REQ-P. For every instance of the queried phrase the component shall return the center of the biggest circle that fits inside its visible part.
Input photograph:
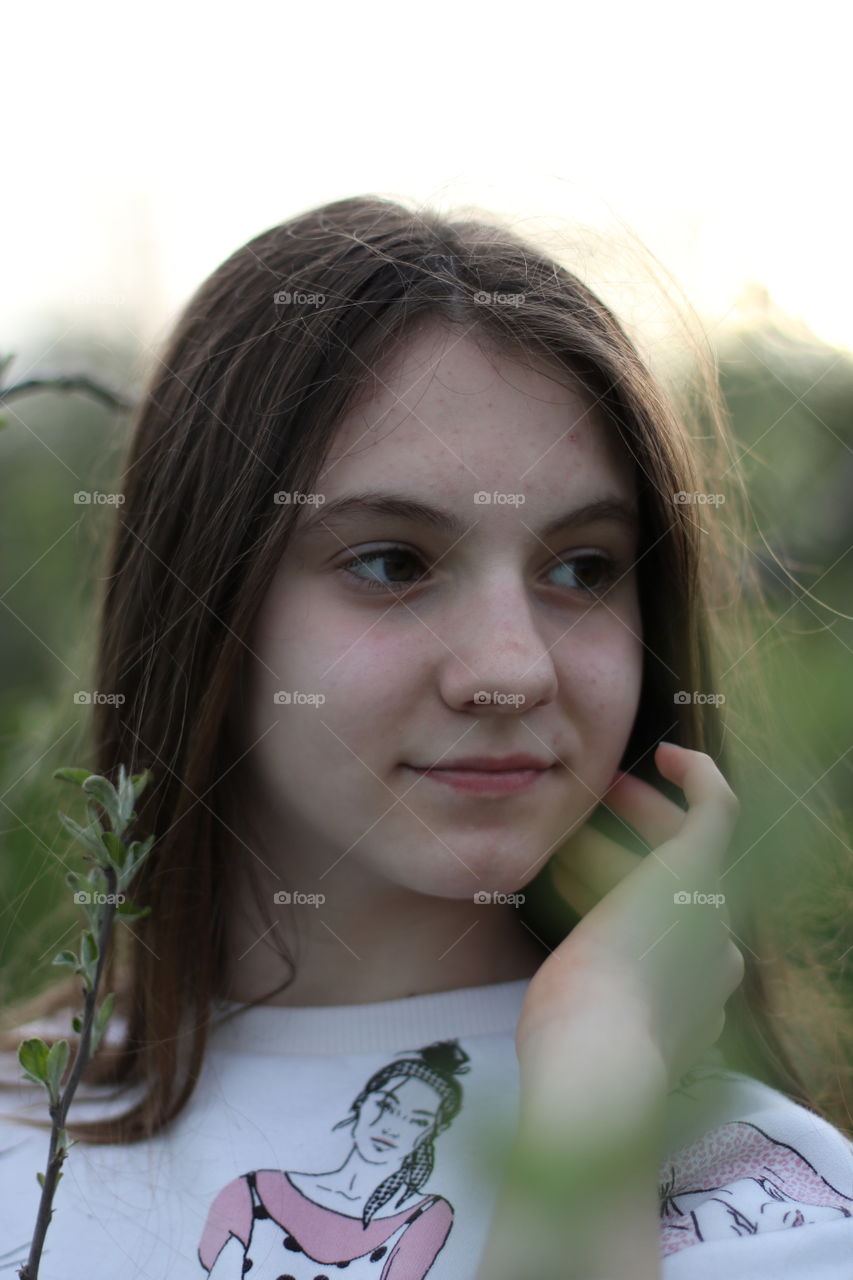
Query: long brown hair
(243, 402)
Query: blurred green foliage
(791, 401)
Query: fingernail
(663, 743)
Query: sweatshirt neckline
(383, 1026)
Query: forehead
(450, 409)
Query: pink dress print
(264, 1219)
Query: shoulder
(713, 1096)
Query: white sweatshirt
(367, 1141)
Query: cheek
(602, 673)
(313, 638)
(362, 673)
(602, 685)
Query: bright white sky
(144, 144)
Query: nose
(495, 658)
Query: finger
(595, 861)
(700, 1044)
(578, 896)
(652, 814)
(712, 813)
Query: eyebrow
(402, 507)
(389, 1093)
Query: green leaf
(57, 1061)
(105, 793)
(97, 881)
(77, 776)
(40, 1177)
(136, 855)
(116, 851)
(91, 839)
(88, 949)
(77, 1023)
(127, 911)
(66, 957)
(140, 782)
(102, 1017)
(32, 1055)
(94, 816)
(126, 795)
(88, 957)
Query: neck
(396, 944)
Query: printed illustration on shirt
(737, 1180)
(307, 1226)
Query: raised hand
(652, 961)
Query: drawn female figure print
(737, 1180)
(305, 1226)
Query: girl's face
(385, 660)
(393, 1120)
(750, 1206)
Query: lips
(489, 764)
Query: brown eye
(389, 569)
(396, 557)
(601, 570)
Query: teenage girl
(403, 602)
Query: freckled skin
(399, 679)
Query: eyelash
(609, 567)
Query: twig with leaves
(102, 896)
